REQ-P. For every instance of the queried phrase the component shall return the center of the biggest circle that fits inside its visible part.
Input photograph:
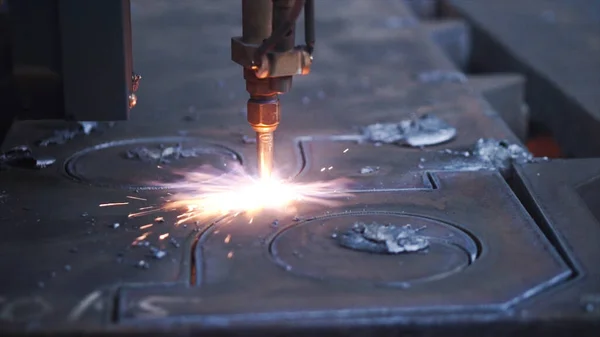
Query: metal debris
(369, 169)
(22, 156)
(157, 253)
(60, 137)
(115, 225)
(437, 76)
(164, 154)
(383, 239)
(500, 154)
(426, 130)
(142, 264)
(275, 223)
(174, 243)
(142, 243)
(88, 127)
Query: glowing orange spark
(160, 219)
(144, 208)
(140, 238)
(113, 204)
(229, 255)
(227, 238)
(146, 226)
(346, 150)
(133, 215)
(251, 219)
(135, 198)
(163, 236)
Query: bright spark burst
(205, 196)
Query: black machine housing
(65, 59)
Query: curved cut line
(69, 164)
(272, 252)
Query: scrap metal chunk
(369, 169)
(165, 154)
(382, 239)
(60, 137)
(157, 253)
(22, 156)
(500, 153)
(426, 130)
(142, 264)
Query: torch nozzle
(264, 151)
(263, 116)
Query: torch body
(270, 59)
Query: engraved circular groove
(307, 249)
(107, 165)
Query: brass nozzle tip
(263, 114)
(264, 128)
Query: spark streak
(140, 238)
(113, 204)
(135, 198)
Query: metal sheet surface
(72, 269)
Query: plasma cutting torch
(270, 59)
(49, 50)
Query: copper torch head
(263, 116)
